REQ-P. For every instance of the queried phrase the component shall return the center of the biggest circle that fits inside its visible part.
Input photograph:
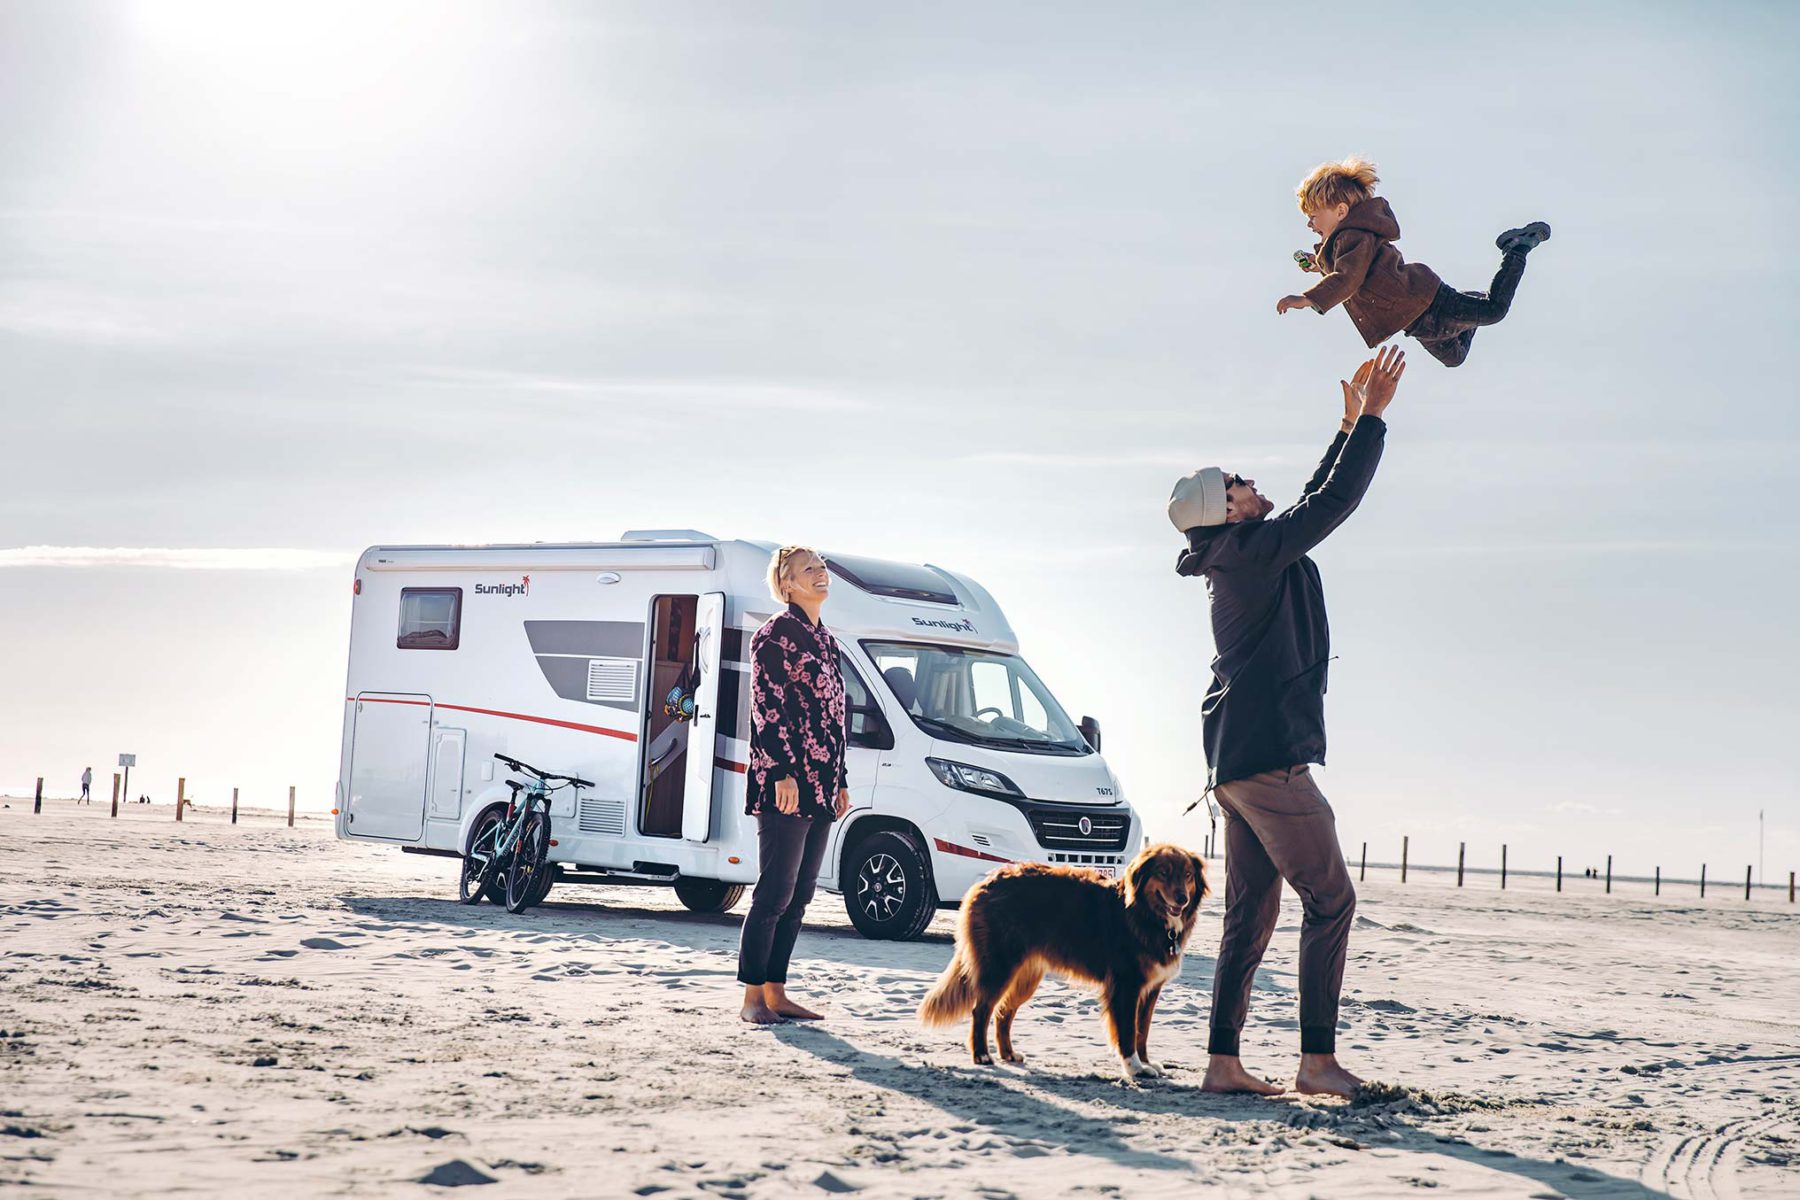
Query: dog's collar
(1174, 950)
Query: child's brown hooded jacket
(1381, 291)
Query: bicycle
(508, 858)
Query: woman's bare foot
(756, 1008)
(1225, 1073)
(776, 996)
(1320, 1075)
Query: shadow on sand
(1007, 1102)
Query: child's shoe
(1523, 239)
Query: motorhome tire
(708, 895)
(530, 860)
(888, 888)
(470, 888)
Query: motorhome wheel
(889, 891)
(708, 895)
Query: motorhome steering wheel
(990, 709)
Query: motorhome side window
(430, 618)
(867, 726)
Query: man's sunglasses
(1232, 481)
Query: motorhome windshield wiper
(956, 733)
(946, 728)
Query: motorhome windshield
(977, 697)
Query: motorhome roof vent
(902, 581)
(666, 535)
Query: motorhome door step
(666, 870)
(429, 850)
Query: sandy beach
(205, 1009)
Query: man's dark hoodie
(1265, 709)
(1382, 292)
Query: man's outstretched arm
(1353, 393)
(1310, 521)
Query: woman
(797, 779)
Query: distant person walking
(1264, 723)
(87, 782)
(797, 781)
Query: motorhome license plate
(1109, 872)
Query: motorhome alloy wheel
(890, 894)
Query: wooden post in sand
(1746, 883)
(115, 811)
(1503, 866)
(1790, 887)
(1659, 881)
(290, 807)
(1405, 845)
(1703, 881)
(1609, 874)
(1363, 872)
(1559, 872)
(1460, 848)
(234, 806)
(180, 796)
(37, 805)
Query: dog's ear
(1203, 888)
(1137, 875)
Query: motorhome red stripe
(511, 716)
(740, 768)
(953, 848)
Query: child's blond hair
(1348, 182)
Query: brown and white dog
(1024, 919)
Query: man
(1264, 723)
(87, 781)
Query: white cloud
(258, 558)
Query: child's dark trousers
(1449, 325)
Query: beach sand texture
(202, 1009)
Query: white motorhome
(566, 655)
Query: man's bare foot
(776, 996)
(760, 1014)
(1225, 1073)
(1320, 1075)
(756, 1007)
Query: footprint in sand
(321, 943)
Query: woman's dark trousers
(790, 850)
(1448, 326)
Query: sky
(969, 284)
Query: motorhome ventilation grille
(612, 679)
(601, 816)
(1089, 860)
(980, 839)
(1080, 831)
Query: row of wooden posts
(181, 800)
(1462, 849)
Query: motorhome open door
(702, 747)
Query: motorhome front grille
(612, 679)
(601, 816)
(1080, 831)
(1087, 860)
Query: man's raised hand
(1353, 393)
(1375, 381)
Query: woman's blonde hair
(779, 562)
(1348, 182)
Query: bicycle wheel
(529, 862)
(479, 875)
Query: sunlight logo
(521, 588)
(936, 623)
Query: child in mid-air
(1382, 292)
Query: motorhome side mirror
(1090, 730)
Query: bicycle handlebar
(543, 776)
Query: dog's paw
(1136, 1068)
(1015, 1057)
(984, 1060)
(1154, 1068)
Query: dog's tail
(952, 997)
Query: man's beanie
(1198, 499)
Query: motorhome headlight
(965, 778)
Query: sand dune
(207, 1009)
